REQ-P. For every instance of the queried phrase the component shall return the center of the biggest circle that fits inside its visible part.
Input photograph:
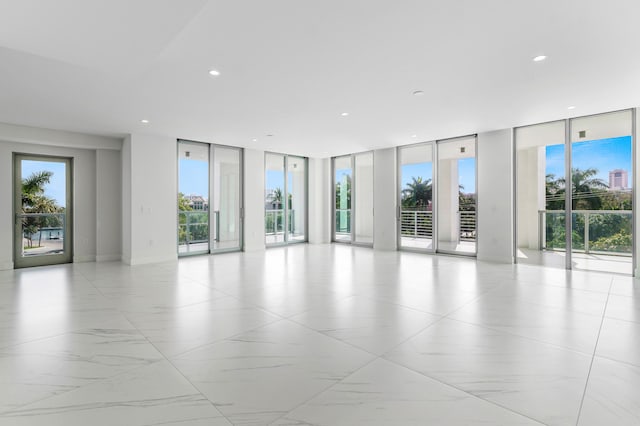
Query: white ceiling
(291, 67)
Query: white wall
(87, 166)
(385, 200)
(253, 200)
(149, 187)
(495, 196)
(108, 205)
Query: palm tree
(34, 201)
(584, 189)
(277, 198)
(554, 192)
(418, 193)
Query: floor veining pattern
(318, 335)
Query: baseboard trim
(133, 261)
(84, 259)
(108, 258)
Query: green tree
(34, 200)
(586, 189)
(554, 192)
(417, 193)
(183, 203)
(343, 187)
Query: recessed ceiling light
(539, 58)
(414, 136)
(418, 93)
(571, 107)
(254, 140)
(144, 121)
(214, 73)
(344, 114)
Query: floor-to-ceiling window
(353, 193)
(193, 198)
(342, 189)
(209, 198)
(363, 198)
(415, 173)
(226, 198)
(456, 196)
(285, 219)
(574, 189)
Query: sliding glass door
(456, 196)
(353, 198)
(285, 218)
(193, 198)
(574, 189)
(363, 196)
(209, 198)
(342, 183)
(415, 173)
(226, 199)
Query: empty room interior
(298, 212)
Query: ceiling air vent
(582, 134)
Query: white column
(385, 200)
(253, 200)
(495, 196)
(320, 203)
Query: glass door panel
(43, 225)
(363, 195)
(416, 197)
(540, 199)
(601, 192)
(343, 174)
(275, 194)
(226, 198)
(456, 196)
(297, 198)
(193, 198)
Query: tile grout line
(180, 372)
(593, 357)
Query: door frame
(20, 261)
(436, 193)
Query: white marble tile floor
(318, 335)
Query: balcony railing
(467, 222)
(42, 233)
(419, 224)
(193, 227)
(416, 223)
(592, 231)
(274, 221)
(343, 221)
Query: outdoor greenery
(608, 232)
(34, 200)
(193, 226)
(417, 197)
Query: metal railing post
(586, 232)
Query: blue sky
(604, 155)
(466, 173)
(56, 188)
(193, 177)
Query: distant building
(618, 179)
(197, 202)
